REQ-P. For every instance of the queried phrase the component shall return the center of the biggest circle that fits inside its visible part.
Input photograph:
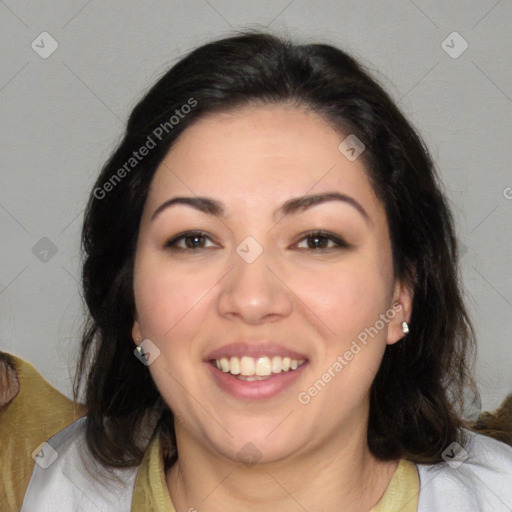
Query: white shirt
(75, 482)
(481, 483)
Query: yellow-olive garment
(35, 414)
(151, 494)
(39, 411)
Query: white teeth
(224, 364)
(263, 367)
(277, 364)
(234, 365)
(247, 367)
(250, 378)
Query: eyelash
(341, 244)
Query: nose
(255, 292)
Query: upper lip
(253, 349)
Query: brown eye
(193, 240)
(319, 240)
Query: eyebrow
(212, 207)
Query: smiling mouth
(260, 368)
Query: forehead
(259, 157)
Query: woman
(276, 314)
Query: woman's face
(253, 294)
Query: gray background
(63, 115)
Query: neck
(345, 471)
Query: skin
(9, 384)
(313, 301)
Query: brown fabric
(497, 424)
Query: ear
(402, 306)
(9, 383)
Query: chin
(264, 445)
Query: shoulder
(37, 398)
(31, 411)
(476, 477)
(67, 477)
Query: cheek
(348, 300)
(352, 348)
(166, 300)
(171, 307)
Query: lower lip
(257, 389)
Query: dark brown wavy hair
(417, 397)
